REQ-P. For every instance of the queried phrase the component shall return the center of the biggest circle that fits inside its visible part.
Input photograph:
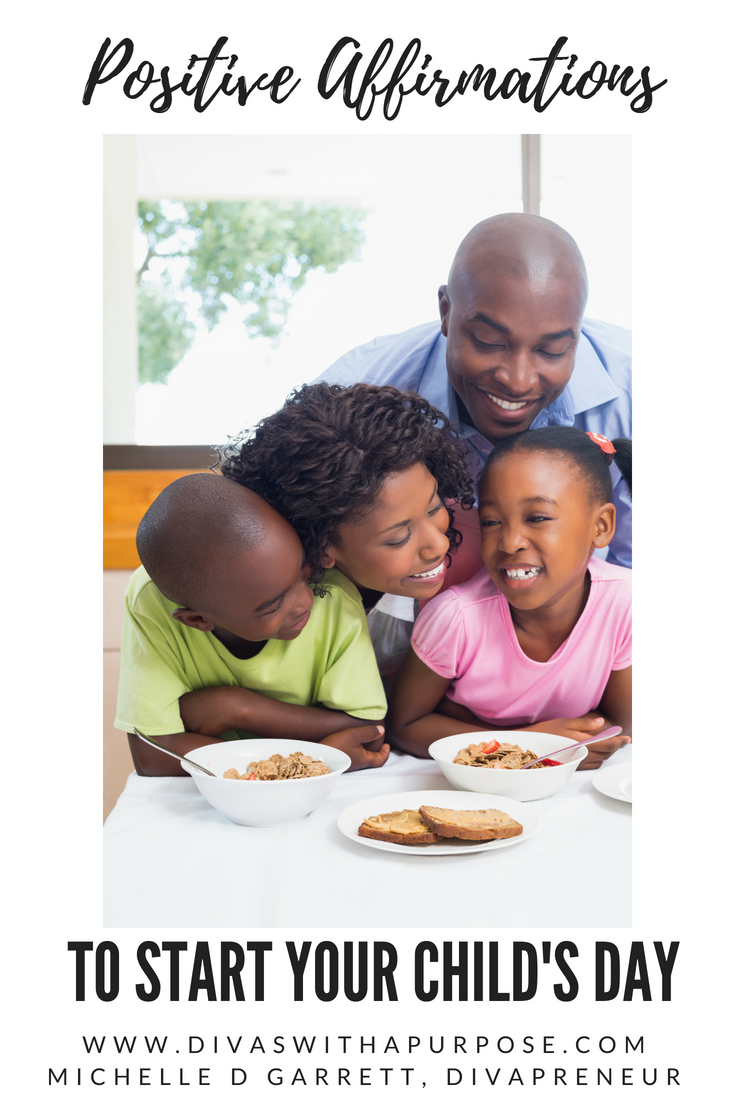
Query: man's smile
(506, 409)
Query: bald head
(512, 315)
(519, 247)
(194, 527)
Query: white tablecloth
(171, 860)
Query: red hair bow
(603, 442)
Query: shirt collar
(589, 386)
(435, 385)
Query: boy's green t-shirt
(331, 663)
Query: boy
(222, 635)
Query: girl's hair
(577, 446)
(322, 459)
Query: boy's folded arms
(223, 638)
(365, 746)
(223, 708)
(217, 710)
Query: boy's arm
(366, 749)
(361, 741)
(224, 707)
(151, 682)
(208, 712)
(149, 763)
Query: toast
(473, 826)
(404, 828)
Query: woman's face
(401, 545)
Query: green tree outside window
(258, 252)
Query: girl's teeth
(523, 573)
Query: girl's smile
(540, 526)
(520, 575)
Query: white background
(683, 546)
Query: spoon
(172, 753)
(609, 733)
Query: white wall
(586, 188)
(120, 337)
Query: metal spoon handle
(172, 753)
(609, 733)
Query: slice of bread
(405, 828)
(473, 826)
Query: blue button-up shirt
(596, 398)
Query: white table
(171, 860)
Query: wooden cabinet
(127, 496)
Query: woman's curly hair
(322, 459)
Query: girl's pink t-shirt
(467, 633)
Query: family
(434, 537)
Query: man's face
(510, 347)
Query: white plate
(615, 781)
(352, 817)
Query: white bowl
(516, 784)
(263, 803)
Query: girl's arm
(616, 703)
(412, 716)
(416, 721)
(614, 711)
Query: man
(512, 352)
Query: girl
(540, 639)
(364, 474)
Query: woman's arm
(413, 720)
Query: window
(420, 195)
